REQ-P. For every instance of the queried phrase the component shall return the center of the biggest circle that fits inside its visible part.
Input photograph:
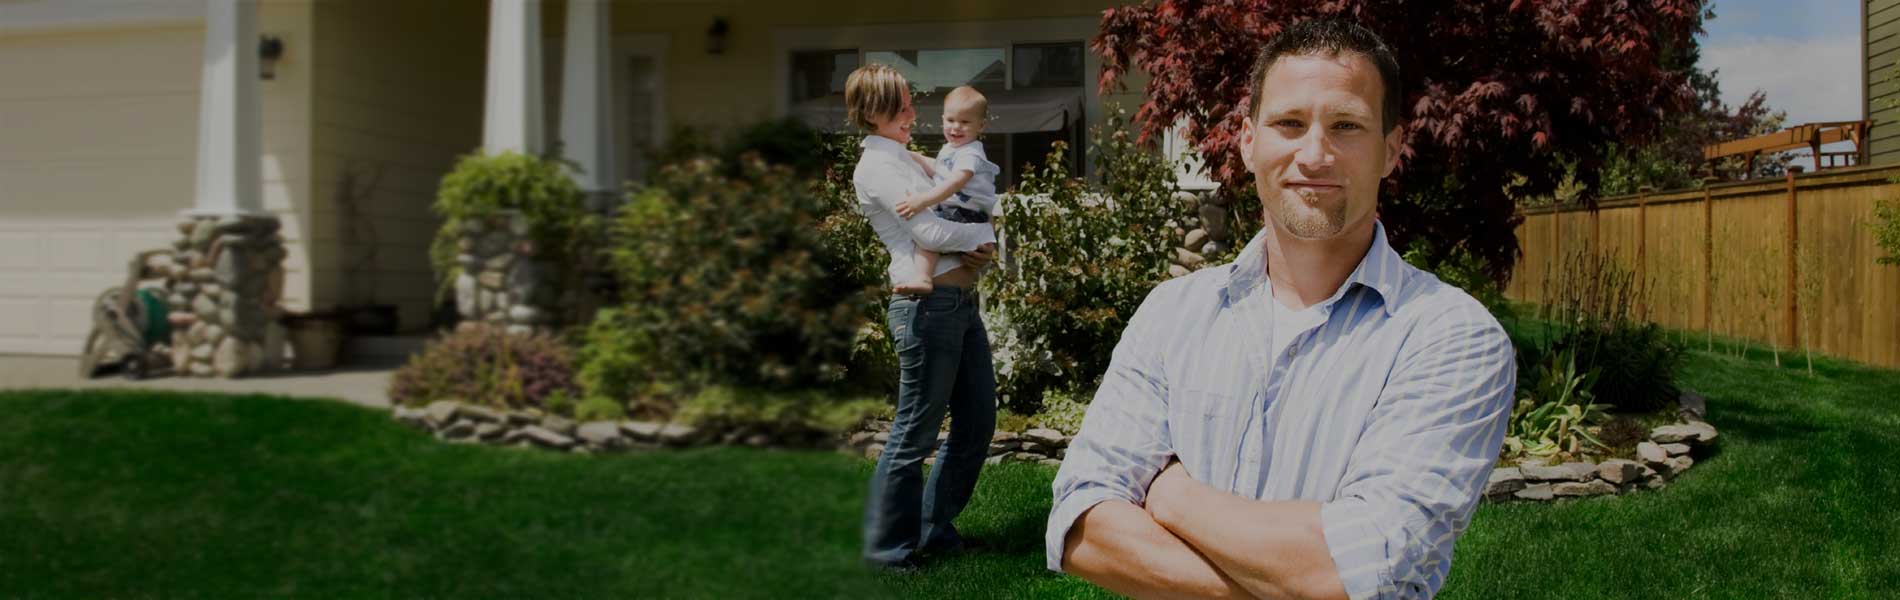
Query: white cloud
(1813, 79)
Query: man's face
(961, 124)
(1316, 148)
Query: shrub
(1592, 313)
(732, 281)
(484, 186)
(1635, 364)
(1062, 412)
(803, 412)
(613, 355)
(1553, 413)
(1464, 270)
(485, 365)
(1887, 231)
(1080, 260)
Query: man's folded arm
(1410, 487)
(1097, 528)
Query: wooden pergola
(1811, 136)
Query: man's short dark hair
(1330, 36)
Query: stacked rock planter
(1668, 453)
(1041, 446)
(226, 278)
(1206, 232)
(504, 279)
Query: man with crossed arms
(1315, 420)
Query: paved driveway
(364, 384)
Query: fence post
(1787, 297)
(1556, 259)
(1708, 255)
(1642, 236)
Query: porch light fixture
(716, 36)
(269, 49)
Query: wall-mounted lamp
(269, 49)
(716, 36)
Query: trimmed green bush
(482, 364)
(734, 280)
(485, 186)
(813, 413)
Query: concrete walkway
(364, 383)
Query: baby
(966, 179)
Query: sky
(1803, 54)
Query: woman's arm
(882, 185)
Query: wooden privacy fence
(1773, 261)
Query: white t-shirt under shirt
(981, 190)
(1289, 324)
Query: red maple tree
(1491, 89)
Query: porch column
(229, 130)
(586, 118)
(227, 274)
(512, 115)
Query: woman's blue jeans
(943, 357)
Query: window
(933, 73)
(939, 71)
(1047, 65)
(820, 73)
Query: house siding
(1881, 55)
(398, 99)
(99, 159)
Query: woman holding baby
(942, 349)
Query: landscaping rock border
(1670, 451)
(457, 422)
(1042, 446)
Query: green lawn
(153, 494)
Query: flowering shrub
(1080, 259)
(485, 365)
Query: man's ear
(1246, 144)
(1392, 139)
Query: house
(337, 118)
(1880, 61)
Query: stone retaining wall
(1206, 231)
(1669, 452)
(457, 422)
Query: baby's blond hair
(967, 97)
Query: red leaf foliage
(1490, 88)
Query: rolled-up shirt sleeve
(885, 185)
(1124, 438)
(1416, 475)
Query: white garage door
(96, 162)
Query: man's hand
(907, 209)
(980, 257)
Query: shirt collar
(1382, 270)
(883, 144)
